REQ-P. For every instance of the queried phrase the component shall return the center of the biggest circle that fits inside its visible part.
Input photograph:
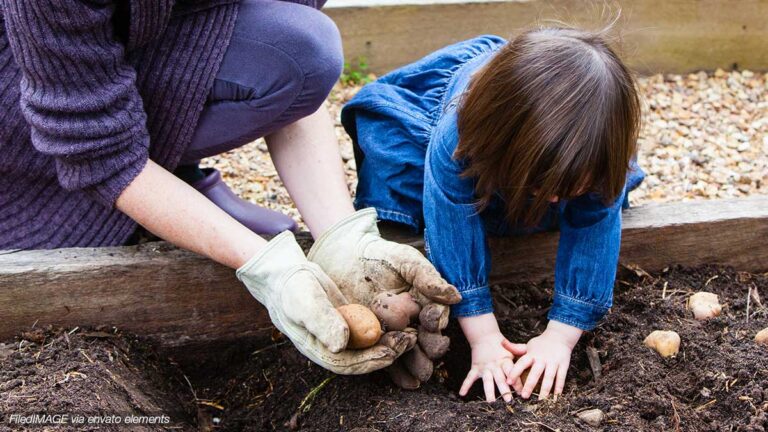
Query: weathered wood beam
(181, 299)
(670, 36)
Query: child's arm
(587, 256)
(492, 357)
(456, 244)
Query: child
(489, 137)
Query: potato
(665, 342)
(434, 345)
(704, 305)
(393, 310)
(409, 305)
(418, 364)
(401, 377)
(434, 317)
(762, 337)
(364, 327)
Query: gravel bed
(704, 136)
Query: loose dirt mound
(719, 380)
(109, 380)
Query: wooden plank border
(669, 36)
(183, 299)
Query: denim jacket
(404, 127)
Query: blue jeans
(282, 61)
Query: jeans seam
(580, 324)
(385, 211)
(582, 302)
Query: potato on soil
(704, 305)
(665, 342)
(364, 327)
(762, 337)
(390, 310)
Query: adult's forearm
(176, 212)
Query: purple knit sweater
(89, 90)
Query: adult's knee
(320, 57)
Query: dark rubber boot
(258, 219)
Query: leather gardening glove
(369, 269)
(302, 300)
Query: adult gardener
(108, 105)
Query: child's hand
(490, 360)
(548, 356)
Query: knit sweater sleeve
(78, 93)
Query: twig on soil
(705, 406)
(540, 424)
(269, 347)
(594, 362)
(210, 404)
(756, 296)
(306, 403)
(711, 279)
(86, 356)
(676, 415)
(749, 296)
(194, 393)
(664, 290)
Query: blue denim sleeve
(454, 232)
(587, 256)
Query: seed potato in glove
(387, 277)
(302, 301)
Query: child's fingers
(547, 381)
(518, 386)
(506, 366)
(498, 376)
(533, 378)
(468, 381)
(562, 371)
(516, 349)
(522, 364)
(488, 386)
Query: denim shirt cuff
(575, 312)
(474, 301)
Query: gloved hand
(363, 265)
(302, 300)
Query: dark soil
(718, 382)
(95, 374)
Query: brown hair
(554, 113)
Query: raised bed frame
(669, 36)
(182, 299)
